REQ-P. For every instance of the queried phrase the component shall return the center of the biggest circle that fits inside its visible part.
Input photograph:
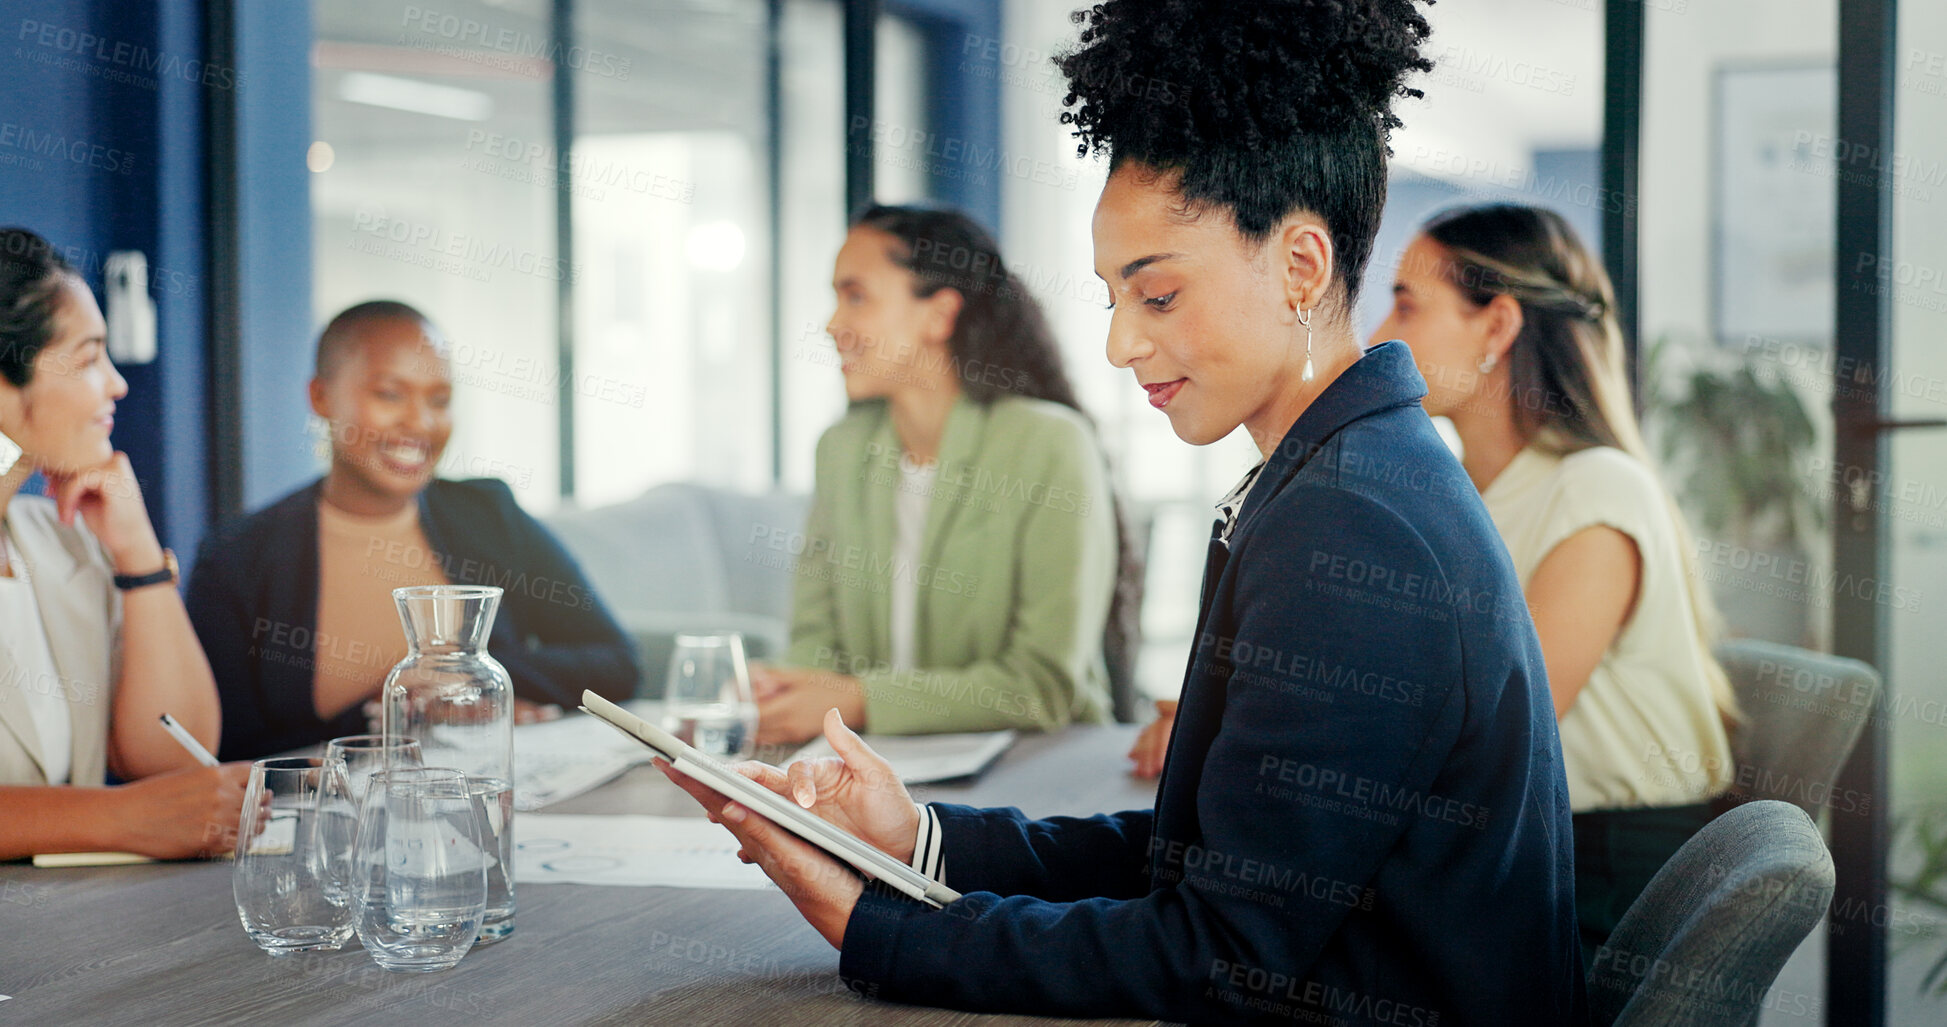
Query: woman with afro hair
(1362, 816)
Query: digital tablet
(862, 856)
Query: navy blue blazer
(254, 600)
(1363, 814)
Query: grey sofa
(690, 558)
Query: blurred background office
(625, 211)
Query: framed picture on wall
(1774, 203)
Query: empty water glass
(707, 700)
(280, 876)
(350, 762)
(419, 869)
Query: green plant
(1743, 438)
(1927, 886)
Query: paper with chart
(921, 759)
(630, 850)
(561, 759)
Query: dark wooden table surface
(160, 945)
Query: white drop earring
(1305, 319)
(1488, 362)
(10, 453)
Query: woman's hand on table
(1154, 742)
(766, 681)
(525, 712)
(792, 701)
(529, 712)
(183, 814)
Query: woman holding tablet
(94, 644)
(1511, 320)
(961, 553)
(1363, 810)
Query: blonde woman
(1513, 323)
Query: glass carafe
(459, 703)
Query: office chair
(1705, 940)
(1803, 712)
(1122, 636)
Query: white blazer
(73, 584)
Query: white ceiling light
(409, 94)
(320, 156)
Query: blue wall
(101, 146)
(273, 135)
(966, 108)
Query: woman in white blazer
(94, 643)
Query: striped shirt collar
(1233, 502)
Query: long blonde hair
(1566, 374)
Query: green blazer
(1017, 567)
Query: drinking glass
(707, 700)
(350, 762)
(279, 880)
(419, 868)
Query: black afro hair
(1263, 107)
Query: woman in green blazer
(961, 555)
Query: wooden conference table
(160, 944)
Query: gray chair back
(1122, 634)
(684, 558)
(1709, 934)
(1803, 712)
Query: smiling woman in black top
(293, 603)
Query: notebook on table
(927, 759)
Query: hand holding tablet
(825, 891)
(857, 791)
